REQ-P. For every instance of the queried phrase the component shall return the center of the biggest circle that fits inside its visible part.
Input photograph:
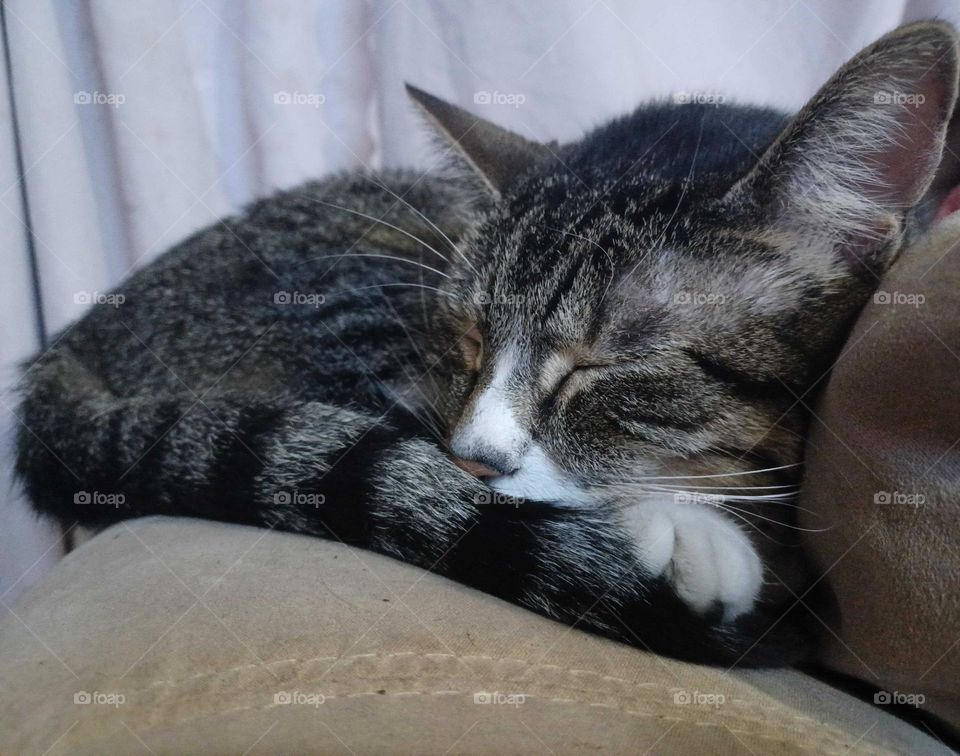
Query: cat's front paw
(706, 558)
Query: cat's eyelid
(593, 359)
(472, 346)
(561, 366)
(473, 333)
(580, 359)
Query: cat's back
(286, 283)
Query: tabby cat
(574, 376)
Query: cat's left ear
(497, 155)
(865, 149)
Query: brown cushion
(205, 630)
(883, 479)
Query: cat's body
(314, 364)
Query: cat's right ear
(497, 156)
(865, 149)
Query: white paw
(705, 557)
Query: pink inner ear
(904, 162)
(950, 204)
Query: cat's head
(658, 299)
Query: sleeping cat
(574, 376)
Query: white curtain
(128, 124)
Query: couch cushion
(197, 637)
(882, 484)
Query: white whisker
(382, 222)
(747, 513)
(387, 285)
(382, 257)
(721, 475)
(403, 324)
(733, 487)
(755, 527)
(433, 225)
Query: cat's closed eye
(572, 380)
(471, 343)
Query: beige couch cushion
(883, 482)
(189, 637)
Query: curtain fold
(141, 122)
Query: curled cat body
(575, 376)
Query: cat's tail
(87, 455)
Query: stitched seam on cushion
(819, 744)
(777, 721)
(481, 657)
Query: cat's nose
(477, 469)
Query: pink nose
(477, 469)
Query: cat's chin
(539, 479)
(704, 556)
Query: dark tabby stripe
(745, 385)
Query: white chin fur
(541, 480)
